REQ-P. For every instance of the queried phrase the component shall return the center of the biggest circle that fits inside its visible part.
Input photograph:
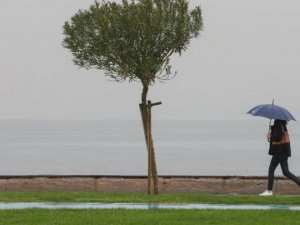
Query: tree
(133, 41)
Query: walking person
(280, 150)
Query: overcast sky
(247, 54)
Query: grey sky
(248, 54)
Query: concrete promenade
(138, 184)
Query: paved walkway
(145, 206)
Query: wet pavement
(142, 206)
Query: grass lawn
(145, 217)
(144, 198)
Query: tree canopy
(132, 40)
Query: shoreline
(244, 185)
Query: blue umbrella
(271, 111)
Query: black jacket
(276, 135)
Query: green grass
(144, 198)
(145, 217)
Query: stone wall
(138, 184)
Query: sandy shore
(167, 184)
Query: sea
(227, 147)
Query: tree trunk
(146, 119)
(144, 94)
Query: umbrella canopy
(271, 111)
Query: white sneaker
(266, 193)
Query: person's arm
(269, 134)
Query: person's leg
(273, 164)
(286, 172)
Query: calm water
(229, 147)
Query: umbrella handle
(271, 119)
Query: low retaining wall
(138, 184)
